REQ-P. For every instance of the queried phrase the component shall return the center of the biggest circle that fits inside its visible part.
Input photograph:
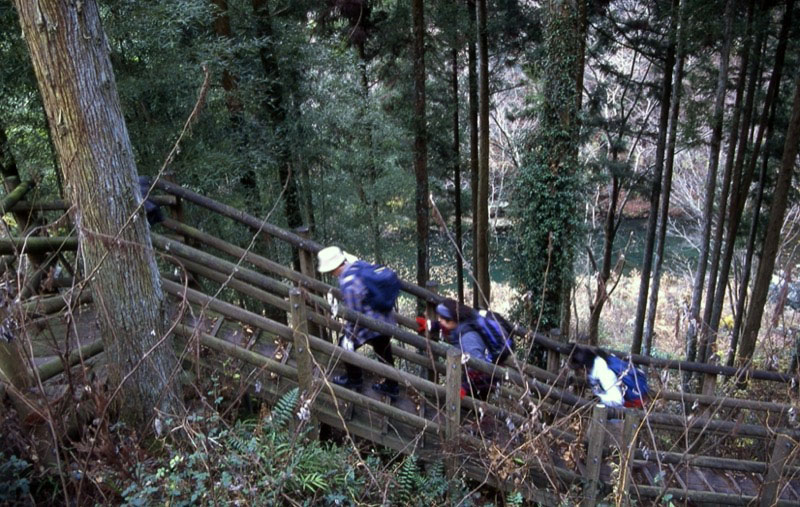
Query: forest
(615, 173)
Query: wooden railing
(525, 389)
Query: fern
(240, 440)
(433, 484)
(436, 470)
(14, 485)
(514, 499)
(407, 478)
(284, 408)
(313, 482)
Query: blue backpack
(496, 333)
(151, 209)
(382, 284)
(633, 378)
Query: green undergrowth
(271, 459)
(220, 453)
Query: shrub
(268, 461)
(14, 486)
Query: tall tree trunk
(306, 195)
(70, 58)
(582, 32)
(613, 215)
(772, 239)
(727, 175)
(482, 232)
(711, 183)
(765, 128)
(549, 183)
(275, 108)
(371, 176)
(769, 110)
(420, 141)
(666, 185)
(655, 192)
(222, 28)
(765, 125)
(740, 184)
(604, 273)
(473, 142)
(457, 175)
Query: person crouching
(456, 321)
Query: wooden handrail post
(307, 268)
(430, 315)
(627, 449)
(553, 356)
(12, 365)
(302, 349)
(770, 492)
(594, 455)
(709, 384)
(452, 406)
(708, 388)
(306, 257)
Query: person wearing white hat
(333, 259)
(349, 271)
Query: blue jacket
(466, 337)
(470, 341)
(354, 293)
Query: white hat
(332, 257)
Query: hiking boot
(345, 381)
(392, 390)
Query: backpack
(151, 209)
(383, 285)
(496, 333)
(633, 378)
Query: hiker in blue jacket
(457, 323)
(355, 297)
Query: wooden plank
(627, 450)
(254, 339)
(792, 489)
(594, 455)
(700, 497)
(703, 478)
(780, 452)
(305, 364)
(218, 324)
(430, 316)
(787, 490)
(307, 269)
(285, 352)
(676, 473)
(421, 412)
(453, 405)
(648, 475)
(735, 483)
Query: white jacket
(605, 384)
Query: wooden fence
(559, 443)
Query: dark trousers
(383, 349)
